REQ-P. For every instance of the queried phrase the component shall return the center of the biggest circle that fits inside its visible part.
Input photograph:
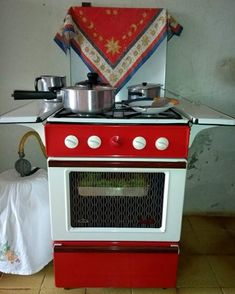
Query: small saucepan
(143, 90)
(90, 96)
(49, 83)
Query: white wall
(200, 66)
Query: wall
(200, 66)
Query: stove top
(119, 114)
(38, 112)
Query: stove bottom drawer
(115, 266)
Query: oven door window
(116, 199)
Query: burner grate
(120, 111)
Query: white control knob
(94, 142)
(139, 143)
(71, 141)
(162, 143)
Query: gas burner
(129, 113)
(67, 113)
(168, 114)
(120, 111)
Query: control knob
(115, 141)
(139, 143)
(162, 143)
(94, 142)
(71, 141)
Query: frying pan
(152, 106)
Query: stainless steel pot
(98, 100)
(144, 90)
(90, 96)
(49, 83)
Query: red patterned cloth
(115, 42)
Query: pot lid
(144, 86)
(92, 83)
(93, 88)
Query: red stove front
(116, 199)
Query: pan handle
(25, 95)
(36, 83)
(135, 93)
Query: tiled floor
(207, 264)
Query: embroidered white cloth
(25, 238)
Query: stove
(116, 183)
(116, 186)
(117, 180)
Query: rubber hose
(25, 137)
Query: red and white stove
(116, 186)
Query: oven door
(116, 200)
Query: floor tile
(19, 291)
(19, 281)
(154, 291)
(229, 224)
(199, 291)
(206, 223)
(49, 281)
(186, 225)
(62, 291)
(215, 242)
(195, 271)
(228, 290)
(224, 269)
(189, 243)
(108, 291)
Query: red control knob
(115, 141)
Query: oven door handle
(116, 164)
(117, 249)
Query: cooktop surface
(119, 114)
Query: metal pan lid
(143, 86)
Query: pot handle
(36, 83)
(25, 95)
(135, 93)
